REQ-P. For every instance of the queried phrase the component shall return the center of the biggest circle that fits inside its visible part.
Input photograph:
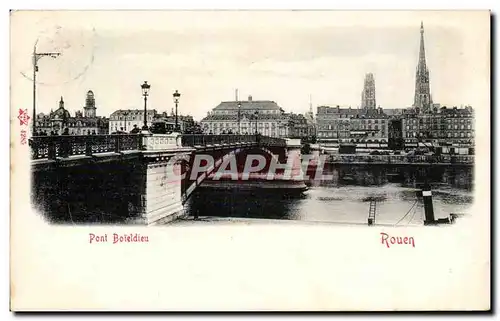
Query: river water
(346, 197)
(109, 196)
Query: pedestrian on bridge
(135, 130)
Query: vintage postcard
(250, 160)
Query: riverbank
(417, 160)
(238, 221)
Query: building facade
(299, 126)
(128, 119)
(443, 126)
(336, 125)
(395, 137)
(247, 117)
(186, 123)
(81, 124)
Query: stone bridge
(147, 178)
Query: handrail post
(117, 143)
(138, 141)
(51, 148)
(88, 145)
(64, 146)
(35, 147)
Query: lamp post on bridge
(145, 92)
(176, 95)
(256, 115)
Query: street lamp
(145, 92)
(36, 57)
(256, 114)
(177, 95)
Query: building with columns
(265, 117)
(81, 124)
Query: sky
(284, 56)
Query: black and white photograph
(130, 126)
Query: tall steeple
(421, 54)
(423, 99)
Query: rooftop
(121, 112)
(214, 117)
(249, 104)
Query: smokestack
(236, 94)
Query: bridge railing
(272, 141)
(50, 147)
(204, 140)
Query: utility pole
(36, 57)
(239, 118)
(239, 110)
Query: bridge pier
(314, 161)
(294, 157)
(161, 180)
(161, 197)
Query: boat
(394, 177)
(283, 187)
(348, 179)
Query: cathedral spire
(423, 99)
(421, 55)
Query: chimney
(236, 94)
(250, 98)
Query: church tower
(310, 114)
(89, 109)
(368, 101)
(423, 99)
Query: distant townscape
(425, 126)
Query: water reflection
(345, 197)
(76, 194)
